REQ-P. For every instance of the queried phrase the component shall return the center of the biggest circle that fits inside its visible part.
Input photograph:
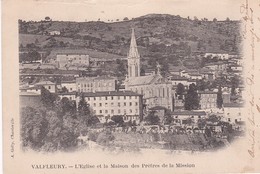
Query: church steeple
(133, 58)
(133, 52)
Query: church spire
(133, 52)
(133, 58)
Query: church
(156, 90)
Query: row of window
(111, 98)
(112, 111)
(99, 84)
(118, 104)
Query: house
(52, 87)
(208, 100)
(69, 85)
(69, 95)
(109, 103)
(233, 112)
(217, 67)
(181, 116)
(31, 89)
(96, 84)
(220, 56)
(54, 33)
(176, 79)
(106, 104)
(67, 59)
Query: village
(183, 109)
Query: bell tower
(133, 58)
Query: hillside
(157, 36)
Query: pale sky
(81, 10)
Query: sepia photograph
(139, 79)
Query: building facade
(155, 89)
(96, 84)
(208, 100)
(66, 60)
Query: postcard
(94, 86)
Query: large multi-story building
(107, 104)
(68, 59)
(96, 84)
(208, 99)
(155, 89)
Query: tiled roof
(146, 80)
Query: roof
(90, 52)
(29, 94)
(45, 83)
(105, 93)
(73, 81)
(146, 80)
(188, 113)
(233, 105)
(214, 63)
(177, 77)
(96, 78)
(29, 87)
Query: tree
(215, 20)
(48, 98)
(227, 19)
(120, 69)
(43, 130)
(47, 18)
(180, 89)
(67, 106)
(219, 98)
(84, 114)
(125, 19)
(168, 118)
(192, 98)
(33, 128)
(118, 119)
(152, 119)
(33, 56)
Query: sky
(92, 10)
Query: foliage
(48, 99)
(84, 114)
(31, 56)
(168, 118)
(219, 98)
(105, 138)
(42, 129)
(120, 70)
(152, 119)
(192, 98)
(180, 89)
(118, 119)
